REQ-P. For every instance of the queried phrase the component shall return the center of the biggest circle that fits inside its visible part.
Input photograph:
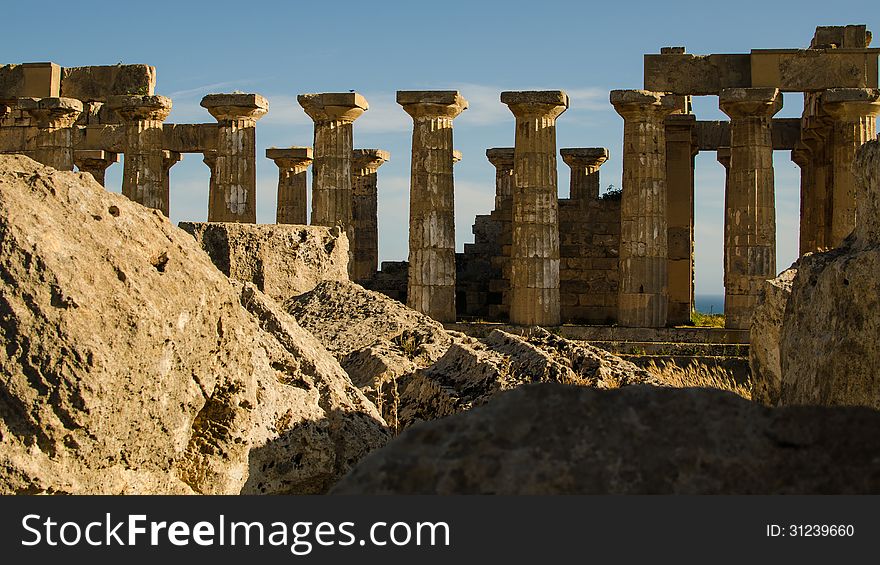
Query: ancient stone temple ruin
(624, 258)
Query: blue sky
(281, 49)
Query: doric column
(365, 219)
(750, 226)
(584, 163)
(502, 159)
(292, 164)
(853, 112)
(801, 156)
(817, 137)
(680, 152)
(209, 158)
(95, 162)
(431, 284)
(143, 169)
(643, 295)
(534, 266)
(234, 198)
(169, 159)
(53, 145)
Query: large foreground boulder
(830, 340)
(281, 260)
(765, 335)
(557, 439)
(130, 364)
(415, 370)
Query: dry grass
(697, 374)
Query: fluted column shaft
(534, 261)
(53, 144)
(431, 283)
(169, 159)
(292, 162)
(750, 218)
(502, 159)
(853, 112)
(680, 152)
(143, 167)
(643, 293)
(234, 198)
(365, 219)
(807, 231)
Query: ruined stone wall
(589, 241)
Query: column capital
(53, 111)
(209, 158)
(801, 155)
(133, 108)
(636, 103)
(723, 156)
(850, 104)
(500, 157)
(333, 106)
(588, 157)
(94, 156)
(750, 102)
(432, 103)
(369, 159)
(536, 103)
(456, 156)
(170, 158)
(235, 106)
(290, 157)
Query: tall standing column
(209, 158)
(364, 209)
(854, 114)
(143, 166)
(534, 266)
(292, 162)
(334, 115)
(680, 152)
(431, 284)
(169, 159)
(750, 227)
(234, 198)
(502, 159)
(584, 163)
(95, 162)
(54, 141)
(723, 156)
(643, 294)
(801, 156)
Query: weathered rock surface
(130, 364)
(765, 336)
(415, 370)
(281, 260)
(556, 439)
(830, 342)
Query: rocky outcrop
(557, 439)
(830, 341)
(765, 336)
(415, 370)
(130, 364)
(281, 260)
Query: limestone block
(282, 261)
(30, 80)
(765, 336)
(101, 82)
(683, 74)
(804, 70)
(135, 366)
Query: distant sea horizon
(709, 303)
